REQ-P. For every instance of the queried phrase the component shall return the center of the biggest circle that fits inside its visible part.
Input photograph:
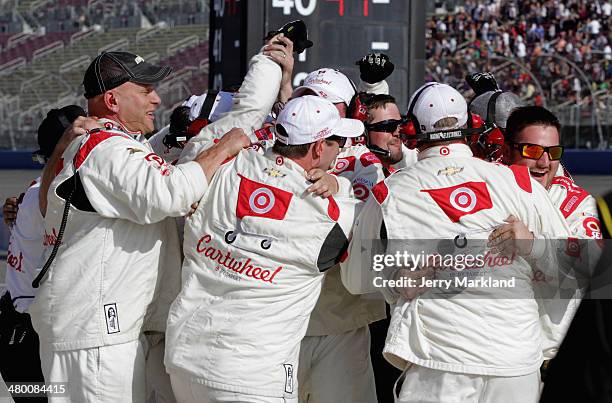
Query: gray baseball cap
(498, 113)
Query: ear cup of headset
(492, 143)
(474, 122)
(408, 135)
(358, 108)
(489, 144)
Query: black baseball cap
(297, 32)
(111, 69)
(53, 126)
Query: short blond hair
(446, 123)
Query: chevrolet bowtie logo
(275, 173)
(449, 171)
(134, 150)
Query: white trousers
(187, 391)
(110, 374)
(424, 385)
(159, 389)
(336, 368)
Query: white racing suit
(577, 206)
(255, 252)
(335, 354)
(97, 298)
(25, 249)
(252, 104)
(335, 360)
(579, 209)
(449, 193)
(19, 345)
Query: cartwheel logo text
(225, 259)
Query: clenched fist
(374, 67)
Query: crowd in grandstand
(465, 39)
(75, 15)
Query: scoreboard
(342, 31)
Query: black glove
(374, 67)
(297, 32)
(482, 82)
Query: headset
(182, 129)
(358, 109)
(489, 144)
(412, 132)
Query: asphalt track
(13, 182)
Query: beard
(396, 154)
(392, 159)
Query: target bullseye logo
(361, 191)
(463, 199)
(444, 151)
(262, 200)
(573, 247)
(341, 165)
(591, 225)
(460, 200)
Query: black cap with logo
(111, 69)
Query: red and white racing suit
(579, 209)
(252, 104)
(335, 357)
(25, 249)
(255, 254)
(446, 193)
(117, 243)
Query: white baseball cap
(307, 119)
(223, 103)
(435, 101)
(327, 83)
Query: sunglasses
(387, 126)
(340, 140)
(535, 151)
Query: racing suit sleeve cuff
(539, 247)
(196, 178)
(380, 87)
(345, 187)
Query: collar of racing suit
(113, 124)
(284, 162)
(447, 150)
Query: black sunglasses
(387, 126)
(340, 140)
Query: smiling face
(136, 104)
(386, 140)
(543, 169)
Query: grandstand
(45, 47)
(553, 53)
(556, 53)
